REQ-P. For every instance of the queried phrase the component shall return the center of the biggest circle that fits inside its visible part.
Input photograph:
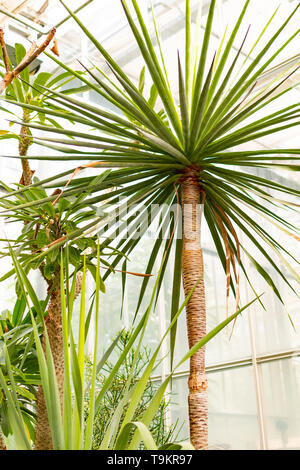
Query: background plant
(161, 434)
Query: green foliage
(74, 429)
(154, 146)
(46, 224)
(16, 338)
(161, 434)
(149, 147)
(27, 89)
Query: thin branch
(4, 51)
(27, 55)
(30, 56)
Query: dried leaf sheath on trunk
(193, 272)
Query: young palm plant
(187, 151)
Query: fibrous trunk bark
(2, 443)
(53, 323)
(193, 273)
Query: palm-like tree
(166, 152)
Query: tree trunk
(192, 272)
(53, 321)
(43, 439)
(24, 143)
(2, 443)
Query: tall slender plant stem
(193, 273)
(53, 321)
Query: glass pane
(233, 420)
(113, 318)
(274, 327)
(281, 388)
(110, 311)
